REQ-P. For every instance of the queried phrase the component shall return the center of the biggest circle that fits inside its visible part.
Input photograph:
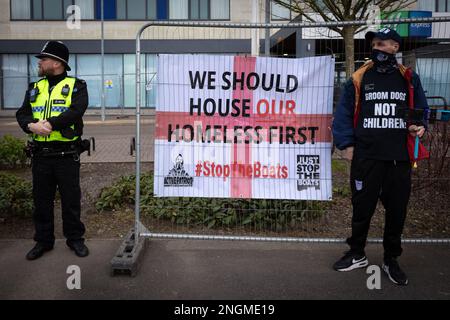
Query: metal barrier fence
(311, 221)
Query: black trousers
(48, 174)
(389, 181)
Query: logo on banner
(177, 176)
(308, 170)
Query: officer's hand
(47, 124)
(348, 153)
(416, 130)
(39, 128)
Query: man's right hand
(348, 153)
(39, 128)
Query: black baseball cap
(384, 34)
(56, 50)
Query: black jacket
(73, 116)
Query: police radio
(65, 90)
(33, 94)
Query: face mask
(384, 62)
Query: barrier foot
(128, 257)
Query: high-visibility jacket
(52, 104)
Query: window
(162, 9)
(122, 9)
(53, 10)
(129, 65)
(90, 69)
(151, 10)
(435, 76)
(49, 9)
(114, 77)
(178, 9)
(65, 5)
(139, 9)
(20, 9)
(151, 79)
(426, 5)
(442, 5)
(109, 9)
(37, 9)
(220, 9)
(278, 12)
(86, 8)
(15, 79)
(136, 10)
(199, 10)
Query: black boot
(79, 247)
(38, 250)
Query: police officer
(51, 114)
(370, 127)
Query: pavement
(210, 270)
(204, 270)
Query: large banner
(243, 127)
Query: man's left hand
(47, 124)
(416, 130)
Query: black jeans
(49, 173)
(389, 181)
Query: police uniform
(62, 101)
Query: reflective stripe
(38, 109)
(59, 109)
